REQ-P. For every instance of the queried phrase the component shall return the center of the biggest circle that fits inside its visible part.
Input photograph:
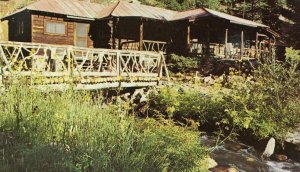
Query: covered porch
(221, 36)
(201, 32)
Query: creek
(244, 158)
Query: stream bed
(243, 158)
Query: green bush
(181, 63)
(266, 105)
(292, 54)
(70, 131)
(177, 104)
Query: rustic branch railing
(233, 52)
(154, 46)
(83, 67)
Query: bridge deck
(60, 67)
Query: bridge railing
(53, 64)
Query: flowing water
(245, 158)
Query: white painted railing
(85, 67)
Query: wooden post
(141, 36)
(118, 65)
(242, 44)
(226, 41)
(207, 53)
(270, 48)
(120, 44)
(114, 34)
(259, 48)
(116, 31)
(188, 37)
(256, 45)
(160, 65)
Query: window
(81, 34)
(55, 28)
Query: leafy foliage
(292, 54)
(178, 5)
(181, 63)
(178, 104)
(268, 106)
(265, 105)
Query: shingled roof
(88, 10)
(65, 7)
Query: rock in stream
(233, 156)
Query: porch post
(256, 45)
(114, 31)
(270, 49)
(226, 41)
(207, 53)
(141, 36)
(188, 38)
(242, 44)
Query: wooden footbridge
(61, 67)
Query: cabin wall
(101, 34)
(19, 27)
(39, 34)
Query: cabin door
(81, 35)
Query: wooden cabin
(133, 26)
(61, 22)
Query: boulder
(209, 80)
(270, 148)
(211, 163)
(279, 157)
(224, 169)
(294, 137)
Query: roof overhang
(12, 14)
(25, 9)
(80, 18)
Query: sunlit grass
(71, 131)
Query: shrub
(191, 104)
(268, 106)
(181, 63)
(292, 54)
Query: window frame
(55, 21)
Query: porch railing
(148, 45)
(231, 51)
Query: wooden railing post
(242, 44)
(188, 37)
(118, 65)
(207, 53)
(256, 45)
(69, 61)
(226, 40)
(141, 36)
(160, 65)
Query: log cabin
(133, 26)
(61, 22)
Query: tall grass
(71, 131)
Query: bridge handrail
(48, 60)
